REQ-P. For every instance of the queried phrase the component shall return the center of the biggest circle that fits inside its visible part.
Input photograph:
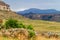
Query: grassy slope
(10, 14)
(40, 25)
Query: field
(40, 25)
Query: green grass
(40, 25)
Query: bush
(30, 27)
(21, 25)
(11, 23)
(31, 33)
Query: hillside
(10, 14)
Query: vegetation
(30, 27)
(11, 23)
(21, 25)
(41, 25)
(38, 25)
(31, 33)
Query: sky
(19, 5)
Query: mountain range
(38, 14)
(38, 11)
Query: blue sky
(17, 5)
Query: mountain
(38, 11)
(37, 14)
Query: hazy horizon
(19, 5)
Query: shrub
(30, 27)
(31, 33)
(21, 25)
(11, 23)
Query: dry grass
(36, 38)
(10, 14)
(5, 38)
(39, 37)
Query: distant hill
(38, 11)
(37, 14)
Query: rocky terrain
(23, 34)
(19, 33)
